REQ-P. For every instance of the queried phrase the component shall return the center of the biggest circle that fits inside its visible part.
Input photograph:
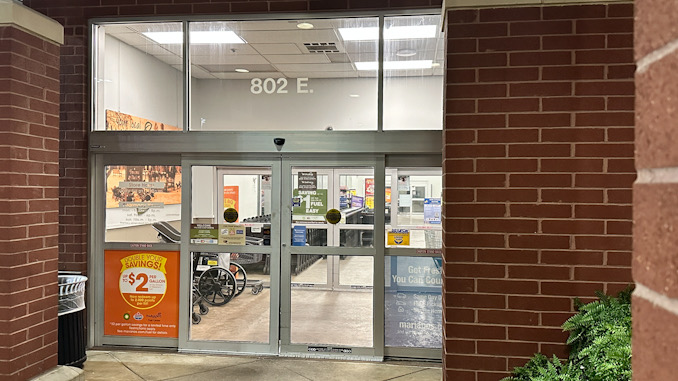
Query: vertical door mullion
(277, 254)
(285, 277)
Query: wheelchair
(217, 281)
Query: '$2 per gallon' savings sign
(141, 293)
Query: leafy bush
(600, 345)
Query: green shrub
(600, 345)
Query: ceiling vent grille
(321, 47)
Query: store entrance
(280, 258)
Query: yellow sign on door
(399, 237)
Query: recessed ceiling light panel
(305, 25)
(406, 52)
(197, 37)
(392, 33)
(395, 65)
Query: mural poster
(117, 121)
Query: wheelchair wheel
(195, 318)
(203, 309)
(240, 277)
(217, 286)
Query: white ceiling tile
(287, 36)
(222, 49)
(231, 75)
(297, 58)
(321, 74)
(231, 68)
(315, 67)
(277, 48)
(170, 59)
(250, 59)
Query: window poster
(413, 302)
(231, 197)
(369, 187)
(432, 210)
(309, 205)
(117, 121)
(142, 194)
(141, 293)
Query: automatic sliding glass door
(328, 299)
(232, 263)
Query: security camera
(279, 141)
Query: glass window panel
(413, 302)
(143, 203)
(229, 289)
(139, 77)
(274, 75)
(308, 269)
(356, 238)
(334, 315)
(414, 56)
(415, 205)
(356, 271)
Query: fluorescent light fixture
(354, 95)
(395, 65)
(305, 25)
(406, 53)
(197, 37)
(242, 70)
(392, 33)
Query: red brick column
(29, 203)
(655, 200)
(538, 170)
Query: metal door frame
(185, 344)
(98, 246)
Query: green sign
(204, 233)
(311, 204)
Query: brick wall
(74, 15)
(655, 204)
(29, 115)
(538, 169)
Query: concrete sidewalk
(141, 365)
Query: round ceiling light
(406, 52)
(305, 25)
(242, 70)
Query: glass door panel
(331, 289)
(231, 256)
(333, 316)
(416, 205)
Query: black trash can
(72, 340)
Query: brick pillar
(538, 172)
(655, 200)
(29, 191)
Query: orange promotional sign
(369, 187)
(141, 293)
(231, 197)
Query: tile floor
(105, 365)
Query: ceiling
(279, 48)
